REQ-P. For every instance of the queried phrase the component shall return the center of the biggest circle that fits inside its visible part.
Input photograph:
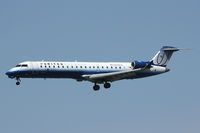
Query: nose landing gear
(18, 81)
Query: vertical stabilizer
(163, 56)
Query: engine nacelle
(139, 64)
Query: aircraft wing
(110, 77)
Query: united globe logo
(162, 58)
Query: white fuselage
(75, 70)
(95, 72)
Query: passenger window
(85, 66)
(62, 66)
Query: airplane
(95, 72)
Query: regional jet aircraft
(95, 72)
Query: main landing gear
(97, 87)
(18, 81)
(107, 85)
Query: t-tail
(163, 56)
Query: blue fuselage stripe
(77, 74)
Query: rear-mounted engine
(139, 64)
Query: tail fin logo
(162, 58)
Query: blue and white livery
(95, 72)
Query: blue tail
(163, 56)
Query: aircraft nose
(7, 73)
(11, 73)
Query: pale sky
(106, 30)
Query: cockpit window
(24, 65)
(17, 65)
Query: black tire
(17, 83)
(107, 85)
(96, 87)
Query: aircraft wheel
(96, 87)
(107, 85)
(17, 83)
